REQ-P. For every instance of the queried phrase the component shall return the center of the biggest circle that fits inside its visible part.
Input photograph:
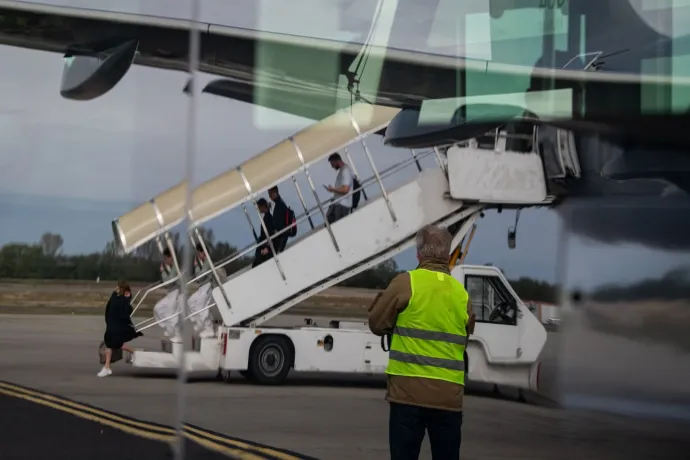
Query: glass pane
(623, 347)
(102, 112)
(475, 289)
(629, 55)
(92, 126)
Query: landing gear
(270, 360)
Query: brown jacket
(416, 391)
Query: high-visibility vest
(430, 335)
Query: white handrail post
(355, 125)
(249, 222)
(161, 248)
(414, 155)
(298, 151)
(439, 159)
(171, 246)
(351, 163)
(301, 199)
(210, 262)
(166, 235)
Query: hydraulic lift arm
(459, 252)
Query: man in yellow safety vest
(428, 314)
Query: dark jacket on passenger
(268, 222)
(280, 220)
(118, 323)
(415, 391)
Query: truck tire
(270, 360)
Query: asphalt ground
(39, 425)
(325, 416)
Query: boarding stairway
(466, 179)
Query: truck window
(491, 302)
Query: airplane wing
(313, 76)
(306, 76)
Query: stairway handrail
(306, 215)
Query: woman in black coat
(118, 324)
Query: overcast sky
(71, 167)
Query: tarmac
(319, 416)
(82, 432)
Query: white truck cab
(508, 338)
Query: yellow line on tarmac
(235, 453)
(83, 408)
(255, 448)
(146, 430)
(93, 418)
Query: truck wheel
(270, 360)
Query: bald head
(433, 243)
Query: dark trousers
(407, 426)
(261, 258)
(279, 243)
(336, 211)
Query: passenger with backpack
(345, 182)
(283, 217)
(263, 251)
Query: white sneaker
(105, 372)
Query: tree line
(45, 260)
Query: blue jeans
(407, 425)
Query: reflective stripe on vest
(430, 334)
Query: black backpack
(358, 191)
(291, 220)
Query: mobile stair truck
(468, 178)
